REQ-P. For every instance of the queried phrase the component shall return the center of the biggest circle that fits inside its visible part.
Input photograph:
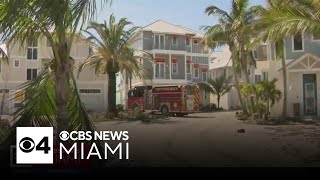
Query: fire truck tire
(180, 114)
(135, 107)
(165, 110)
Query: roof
(220, 59)
(197, 34)
(168, 28)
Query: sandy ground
(211, 139)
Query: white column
(154, 67)
(185, 68)
(170, 66)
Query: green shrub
(120, 108)
(213, 107)
(141, 116)
(241, 116)
(210, 108)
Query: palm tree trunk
(62, 89)
(285, 90)
(218, 100)
(268, 110)
(112, 107)
(242, 103)
(2, 102)
(247, 79)
(130, 81)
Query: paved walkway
(211, 139)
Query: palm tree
(290, 17)
(219, 87)
(270, 94)
(58, 21)
(232, 31)
(285, 18)
(114, 54)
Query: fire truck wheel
(165, 110)
(136, 107)
(180, 114)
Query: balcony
(196, 48)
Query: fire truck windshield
(137, 92)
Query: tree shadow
(289, 122)
(148, 121)
(196, 117)
(162, 121)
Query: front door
(310, 94)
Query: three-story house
(179, 57)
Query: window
(32, 51)
(316, 37)
(159, 41)
(204, 76)
(174, 40)
(187, 42)
(195, 41)
(31, 74)
(265, 76)
(257, 78)
(89, 91)
(297, 43)
(16, 63)
(160, 71)
(4, 90)
(212, 74)
(255, 54)
(174, 68)
(188, 68)
(196, 73)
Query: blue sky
(189, 13)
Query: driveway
(212, 139)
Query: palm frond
(214, 10)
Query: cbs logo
(34, 145)
(64, 135)
(27, 145)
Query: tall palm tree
(232, 31)
(114, 53)
(219, 87)
(58, 21)
(285, 18)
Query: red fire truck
(169, 100)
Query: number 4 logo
(44, 145)
(35, 145)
